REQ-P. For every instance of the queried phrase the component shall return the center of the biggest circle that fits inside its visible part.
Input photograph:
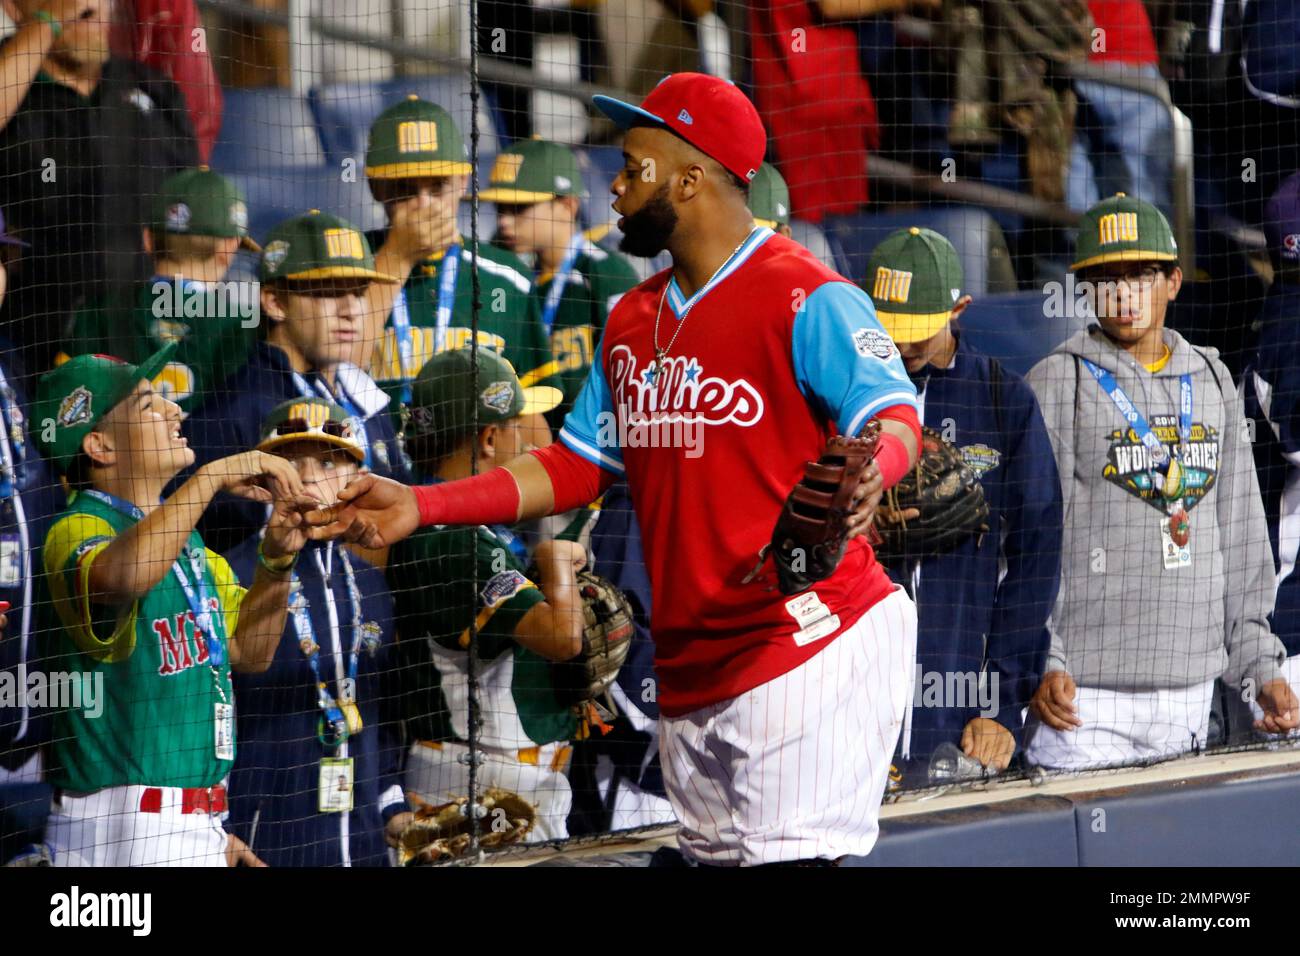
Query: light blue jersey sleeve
(845, 362)
(590, 428)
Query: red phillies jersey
(771, 357)
(1126, 30)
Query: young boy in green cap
(1167, 577)
(523, 625)
(319, 712)
(418, 168)
(982, 604)
(316, 270)
(769, 200)
(198, 223)
(537, 188)
(148, 610)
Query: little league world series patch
(1129, 465)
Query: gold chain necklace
(661, 354)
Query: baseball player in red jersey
(714, 382)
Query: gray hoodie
(1122, 621)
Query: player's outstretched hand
(255, 475)
(1281, 709)
(371, 511)
(286, 531)
(865, 501)
(1053, 702)
(238, 853)
(988, 742)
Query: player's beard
(646, 232)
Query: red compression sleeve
(489, 498)
(574, 480)
(891, 453)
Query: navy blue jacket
(968, 621)
(1272, 389)
(277, 759)
(230, 421)
(40, 497)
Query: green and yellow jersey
(158, 723)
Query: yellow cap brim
(768, 223)
(341, 272)
(597, 233)
(319, 438)
(437, 167)
(905, 329)
(500, 194)
(540, 399)
(1130, 255)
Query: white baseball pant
(796, 768)
(1123, 727)
(107, 828)
(437, 774)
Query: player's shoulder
(503, 265)
(72, 531)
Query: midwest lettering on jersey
(175, 637)
(388, 365)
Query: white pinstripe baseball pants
(796, 768)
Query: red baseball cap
(708, 112)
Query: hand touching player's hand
(286, 531)
(255, 475)
(371, 511)
(988, 742)
(396, 824)
(865, 501)
(1281, 709)
(1053, 702)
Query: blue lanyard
(556, 292)
(446, 295)
(196, 594)
(511, 541)
(299, 610)
(401, 319)
(343, 399)
(14, 453)
(1138, 422)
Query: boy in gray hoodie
(1167, 576)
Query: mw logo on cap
(892, 285)
(1117, 227)
(343, 244)
(313, 413)
(417, 136)
(506, 168)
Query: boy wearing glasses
(316, 782)
(1167, 577)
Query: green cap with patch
(914, 277)
(446, 397)
(317, 245)
(312, 419)
(1123, 229)
(199, 202)
(769, 198)
(415, 138)
(71, 399)
(533, 170)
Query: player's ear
(486, 446)
(692, 180)
(960, 307)
(272, 307)
(1174, 280)
(98, 447)
(572, 204)
(146, 236)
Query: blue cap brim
(623, 114)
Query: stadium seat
(978, 239)
(280, 193)
(1020, 329)
(345, 111)
(266, 128)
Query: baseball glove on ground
(606, 638)
(442, 832)
(808, 540)
(948, 499)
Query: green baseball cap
(415, 138)
(914, 277)
(199, 202)
(311, 419)
(1123, 229)
(76, 395)
(444, 397)
(769, 198)
(317, 245)
(533, 170)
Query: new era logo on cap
(685, 117)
